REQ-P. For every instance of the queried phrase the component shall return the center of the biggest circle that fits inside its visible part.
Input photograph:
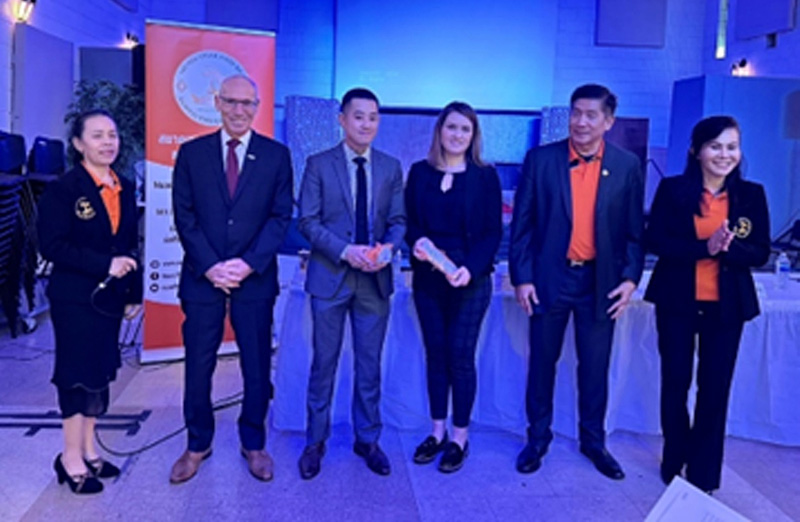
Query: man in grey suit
(351, 211)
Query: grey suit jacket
(327, 216)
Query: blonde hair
(473, 153)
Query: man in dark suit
(351, 211)
(576, 248)
(232, 199)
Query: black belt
(579, 264)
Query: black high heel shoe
(83, 484)
(101, 468)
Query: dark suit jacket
(75, 234)
(542, 224)
(213, 227)
(671, 236)
(484, 227)
(327, 216)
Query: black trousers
(698, 445)
(202, 334)
(593, 347)
(451, 320)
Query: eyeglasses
(247, 105)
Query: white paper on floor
(682, 502)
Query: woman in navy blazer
(88, 229)
(453, 203)
(708, 227)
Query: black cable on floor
(38, 355)
(222, 404)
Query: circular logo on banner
(197, 80)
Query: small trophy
(437, 258)
(380, 254)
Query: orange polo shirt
(584, 178)
(715, 211)
(110, 196)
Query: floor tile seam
(760, 494)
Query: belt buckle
(573, 263)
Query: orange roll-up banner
(185, 65)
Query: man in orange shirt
(576, 249)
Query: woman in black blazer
(88, 229)
(708, 227)
(453, 205)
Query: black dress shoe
(530, 458)
(376, 459)
(101, 468)
(427, 451)
(604, 462)
(668, 473)
(311, 460)
(84, 484)
(453, 457)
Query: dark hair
(360, 93)
(77, 128)
(703, 132)
(473, 153)
(593, 91)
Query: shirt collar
(350, 154)
(244, 140)
(115, 185)
(709, 196)
(574, 156)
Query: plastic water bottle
(782, 269)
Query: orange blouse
(584, 178)
(110, 196)
(715, 211)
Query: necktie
(362, 235)
(232, 166)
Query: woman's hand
(419, 251)
(460, 277)
(121, 265)
(132, 310)
(720, 240)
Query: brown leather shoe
(186, 466)
(260, 463)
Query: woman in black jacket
(88, 229)
(454, 207)
(708, 227)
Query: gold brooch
(743, 227)
(83, 209)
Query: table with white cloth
(764, 397)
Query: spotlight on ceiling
(131, 41)
(23, 10)
(741, 68)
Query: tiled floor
(760, 481)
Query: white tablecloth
(765, 397)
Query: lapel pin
(605, 172)
(251, 156)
